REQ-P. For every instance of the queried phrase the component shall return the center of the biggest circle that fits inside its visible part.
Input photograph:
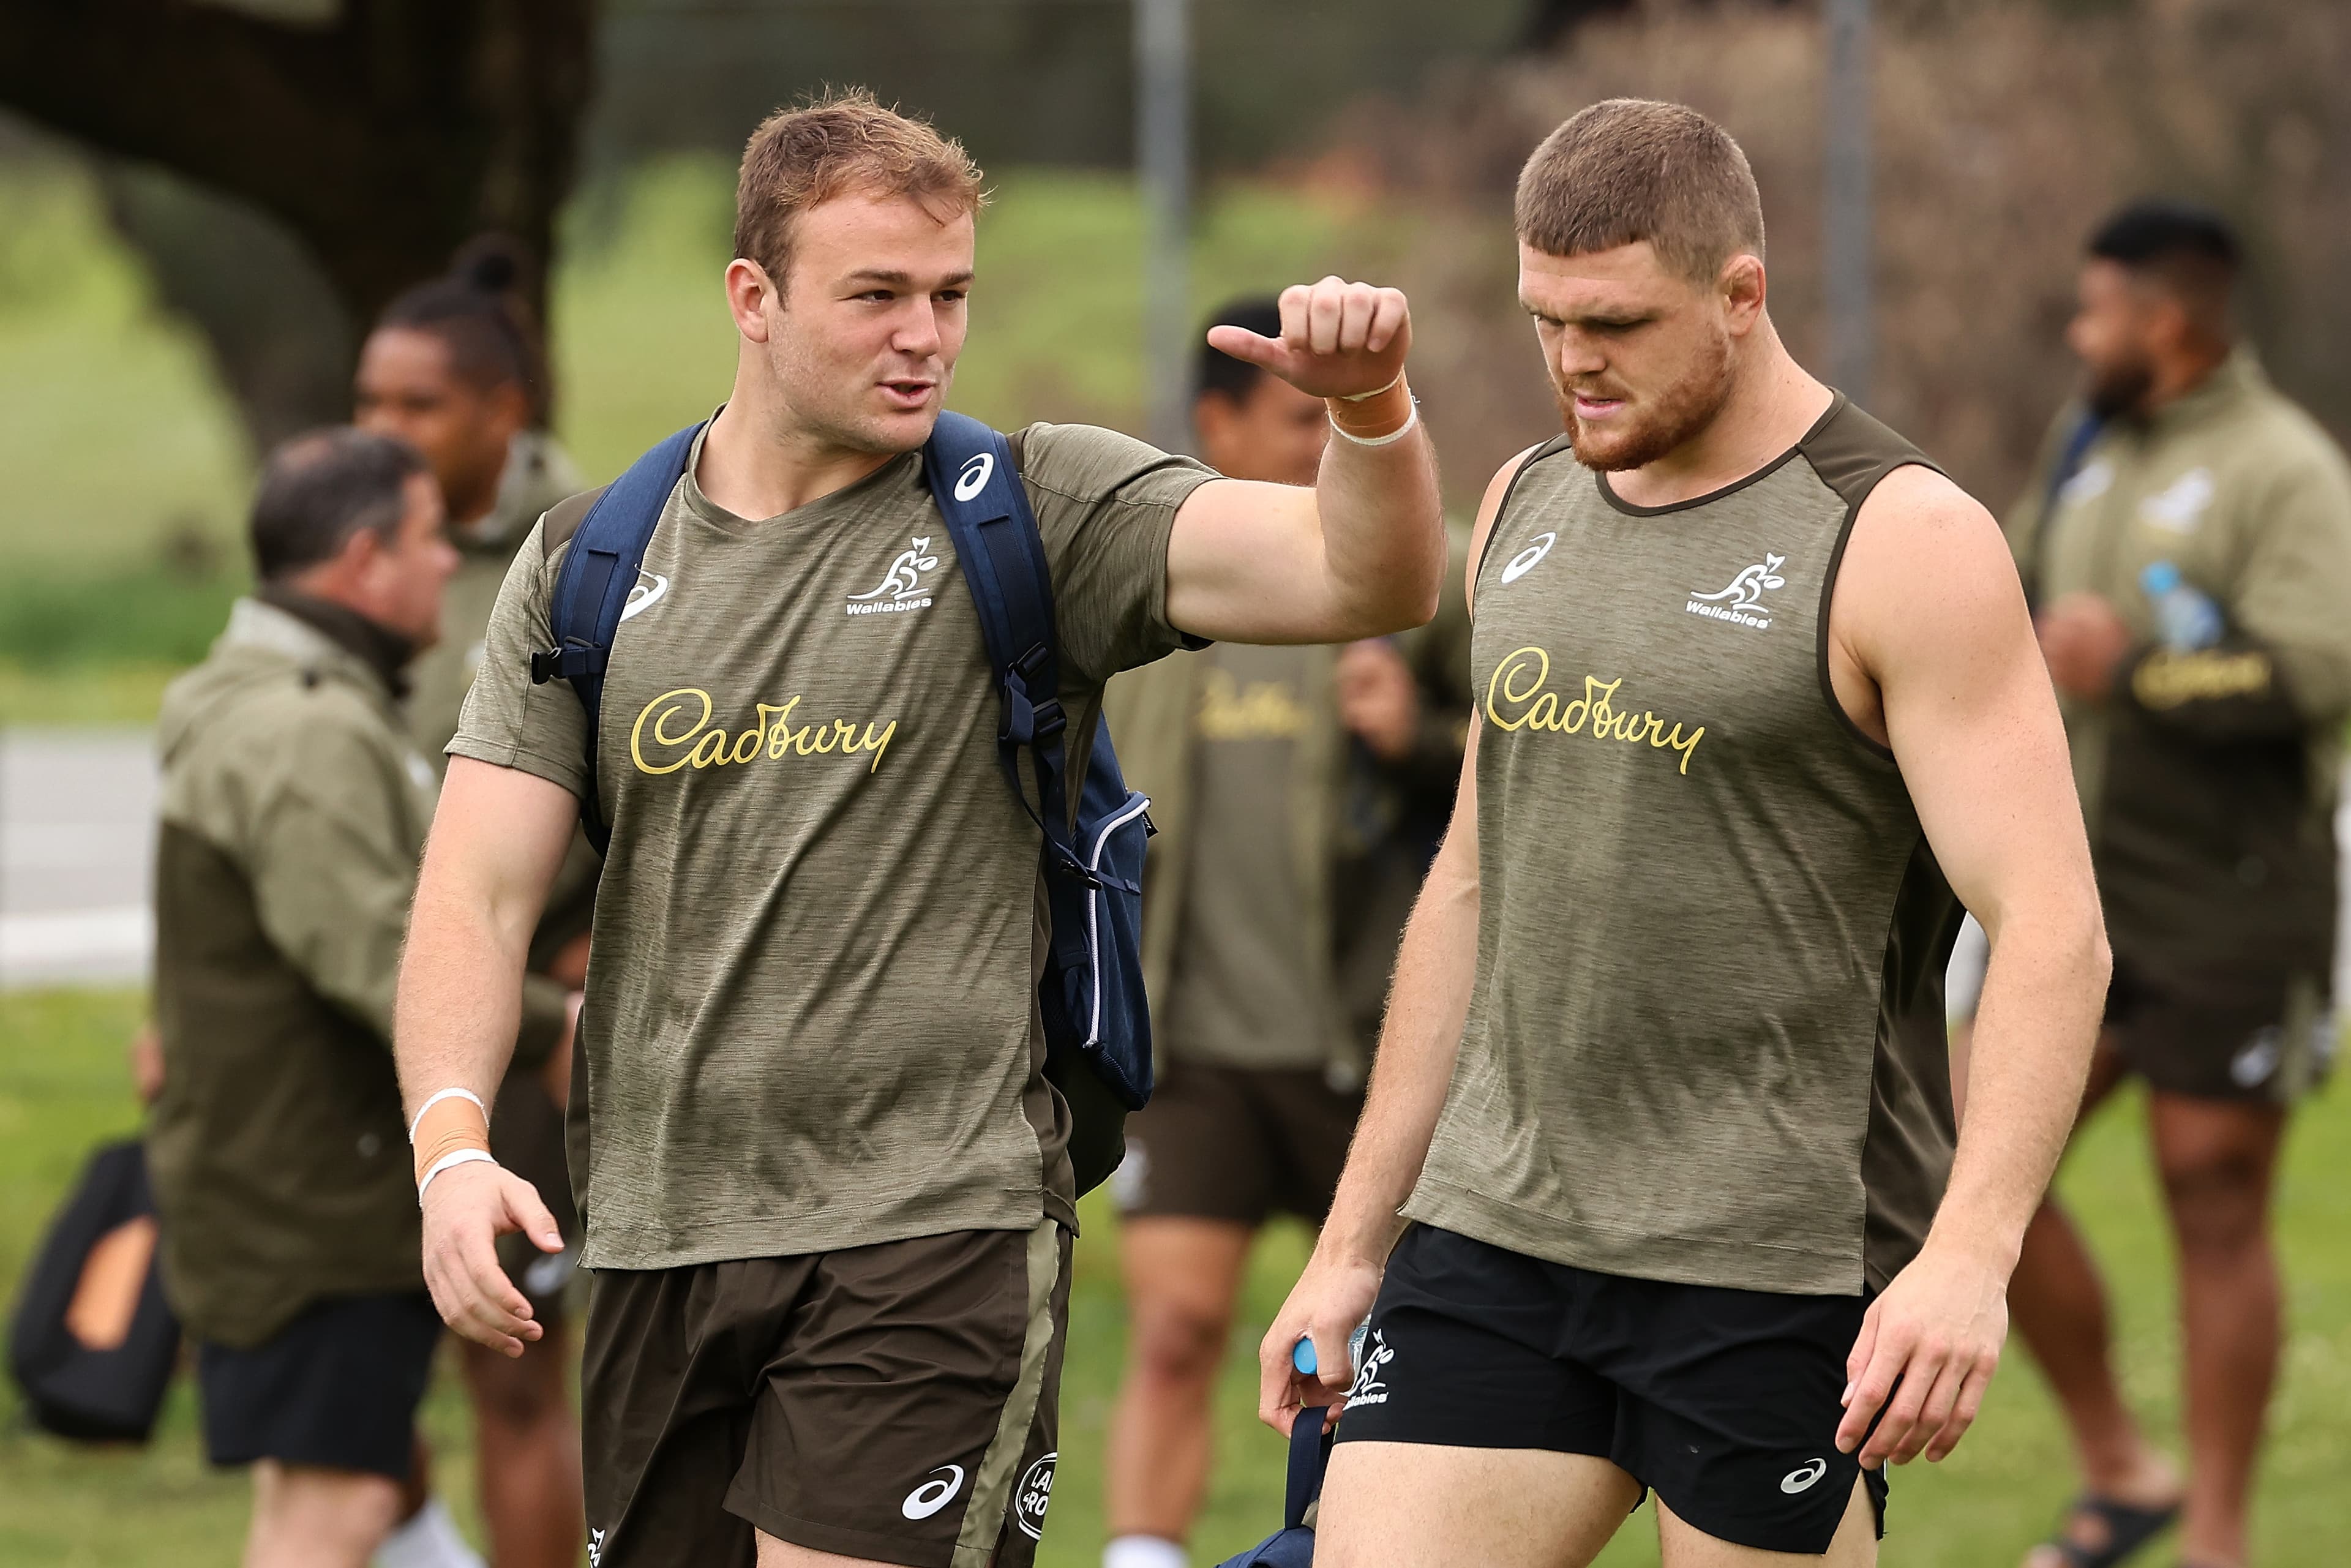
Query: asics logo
(1524, 561)
(650, 585)
(973, 477)
(1801, 1479)
(932, 1496)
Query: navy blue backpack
(1091, 991)
(1292, 1546)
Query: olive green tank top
(1707, 1039)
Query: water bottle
(2187, 620)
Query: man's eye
(951, 296)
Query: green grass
(126, 473)
(63, 1089)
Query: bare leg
(1684, 1546)
(2218, 1162)
(2058, 1304)
(1421, 1505)
(527, 1453)
(1182, 1277)
(775, 1554)
(306, 1517)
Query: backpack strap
(968, 467)
(591, 589)
(1310, 1456)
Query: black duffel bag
(93, 1343)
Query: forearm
(2030, 1053)
(1429, 1004)
(461, 994)
(1382, 527)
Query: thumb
(1248, 347)
(531, 1217)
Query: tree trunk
(380, 141)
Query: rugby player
(828, 1195)
(1663, 1097)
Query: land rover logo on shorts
(1801, 1479)
(933, 1495)
(1524, 561)
(973, 477)
(1033, 1496)
(902, 585)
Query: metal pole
(1852, 340)
(1163, 154)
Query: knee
(309, 1515)
(519, 1395)
(1180, 1342)
(2218, 1198)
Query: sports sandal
(2128, 1528)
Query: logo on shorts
(1525, 560)
(1801, 1479)
(649, 586)
(2258, 1062)
(902, 585)
(932, 1496)
(1131, 1180)
(1033, 1496)
(1742, 603)
(595, 1548)
(1370, 1387)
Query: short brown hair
(843, 140)
(1632, 168)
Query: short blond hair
(1632, 168)
(843, 140)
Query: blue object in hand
(1302, 1357)
(2187, 620)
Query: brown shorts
(894, 1402)
(1229, 1143)
(2258, 1033)
(527, 1138)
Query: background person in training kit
(1299, 792)
(294, 807)
(456, 368)
(2193, 575)
(1663, 1091)
(826, 1179)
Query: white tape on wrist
(446, 1094)
(1393, 436)
(448, 1161)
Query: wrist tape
(1374, 418)
(451, 1128)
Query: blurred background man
(1299, 792)
(456, 368)
(2189, 547)
(294, 807)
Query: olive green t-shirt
(1242, 992)
(811, 1016)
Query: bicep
(1967, 708)
(498, 840)
(1246, 564)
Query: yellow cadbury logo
(678, 725)
(1520, 681)
(1263, 710)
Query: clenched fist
(1338, 339)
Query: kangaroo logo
(902, 583)
(595, 1548)
(1742, 603)
(1370, 1387)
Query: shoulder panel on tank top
(1561, 443)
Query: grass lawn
(62, 1089)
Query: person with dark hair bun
(455, 367)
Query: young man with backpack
(823, 1135)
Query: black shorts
(1238, 1144)
(1723, 1401)
(895, 1403)
(2258, 1032)
(338, 1387)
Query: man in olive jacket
(293, 810)
(1299, 793)
(2188, 545)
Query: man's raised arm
(498, 839)
(1965, 704)
(1362, 553)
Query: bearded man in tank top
(1656, 1189)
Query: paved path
(76, 826)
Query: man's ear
(1743, 291)
(510, 405)
(749, 291)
